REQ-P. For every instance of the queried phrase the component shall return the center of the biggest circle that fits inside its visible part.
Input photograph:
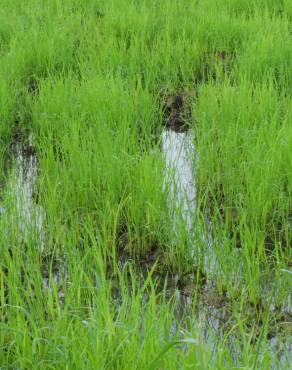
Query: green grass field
(118, 283)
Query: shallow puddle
(178, 149)
(196, 300)
(180, 156)
(21, 209)
(212, 308)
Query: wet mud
(176, 110)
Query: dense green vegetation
(88, 79)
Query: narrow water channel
(212, 312)
(178, 149)
(23, 212)
(180, 156)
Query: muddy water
(22, 211)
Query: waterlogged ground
(145, 208)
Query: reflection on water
(179, 153)
(178, 149)
(23, 211)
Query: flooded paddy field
(146, 184)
